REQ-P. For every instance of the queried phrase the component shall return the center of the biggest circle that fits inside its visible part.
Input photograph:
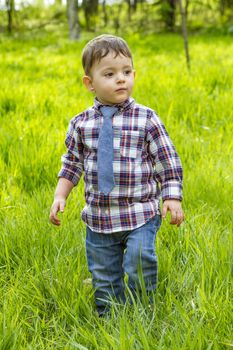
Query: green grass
(44, 302)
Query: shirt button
(106, 212)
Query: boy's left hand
(177, 214)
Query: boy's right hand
(57, 206)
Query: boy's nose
(120, 77)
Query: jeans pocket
(157, 221)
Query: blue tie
(105, 152)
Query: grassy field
(44, 302)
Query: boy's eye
(128, 71)
(110, 74)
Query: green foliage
(45, 303)
(148, 17)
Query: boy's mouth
(121, 89)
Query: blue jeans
(110, 256)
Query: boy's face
(112, 79)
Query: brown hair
(100, 46)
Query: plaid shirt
(146, 166)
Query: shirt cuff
(171, 190)
(74, 177)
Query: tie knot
(108, 111)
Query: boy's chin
(114, 101)
(120, 100)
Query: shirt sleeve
(167, 164)
(72, 161)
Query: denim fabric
(110, 256)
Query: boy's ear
(87, 81)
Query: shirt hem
(118, 229)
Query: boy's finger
(53, 215)
(54, 219)
(173, 217)
(56, 222)
(164, 211)
(62, 206)
(179, 218)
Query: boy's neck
(126, 104)
(113, 104)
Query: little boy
(129, 162)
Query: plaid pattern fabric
(146, 166)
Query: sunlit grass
(44, 302)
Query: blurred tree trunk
(90, 8)
(72, 14)
(10, 4)
(117, 18)
(169, 13)
(135, 3)
(87, 13)
(132, 6)
(105, 13)
(184, 14)
(225, 5)
(171, 18)
(222, 7)
(129, 9)
(186, 9)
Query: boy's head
(108, 67)
(99, 47)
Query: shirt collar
(122, 107)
